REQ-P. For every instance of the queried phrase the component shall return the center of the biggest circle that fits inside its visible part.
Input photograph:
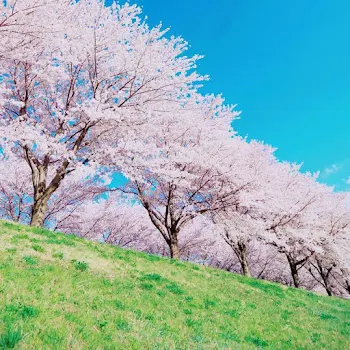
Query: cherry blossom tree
(73, 194)
(238, 231)
(110, 220)
(75, 104)
(198, 241)
(330, 265)
(24, 24)
(118, 221)
(16, 196)
(264, 261)
(16, 193)
(180, 171)
(241, 224)
(343, 278)
(291, 215)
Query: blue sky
(285, 63)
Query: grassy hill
(62, 292)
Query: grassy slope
(121, 299)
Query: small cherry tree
(111, 220)
(16, 193)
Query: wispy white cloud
(333, 169)
(337, 174)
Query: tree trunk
(243, 259)
(39, 176)
(38, 212)
(329, 291)
(347, 286)
(325, 278)
(174, 249)
(295, 276)
(346, 279)
(294, 270)
(325, 274)
(42, 192)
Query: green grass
(59, 291)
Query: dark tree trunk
(39, 212)
(294, 271)
(169, 225)
(347, 286)
(39, 176)
(243, 259)
(329, 291)
(174, 249)
(43, 192)
(325, 275)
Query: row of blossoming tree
(89, 91)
